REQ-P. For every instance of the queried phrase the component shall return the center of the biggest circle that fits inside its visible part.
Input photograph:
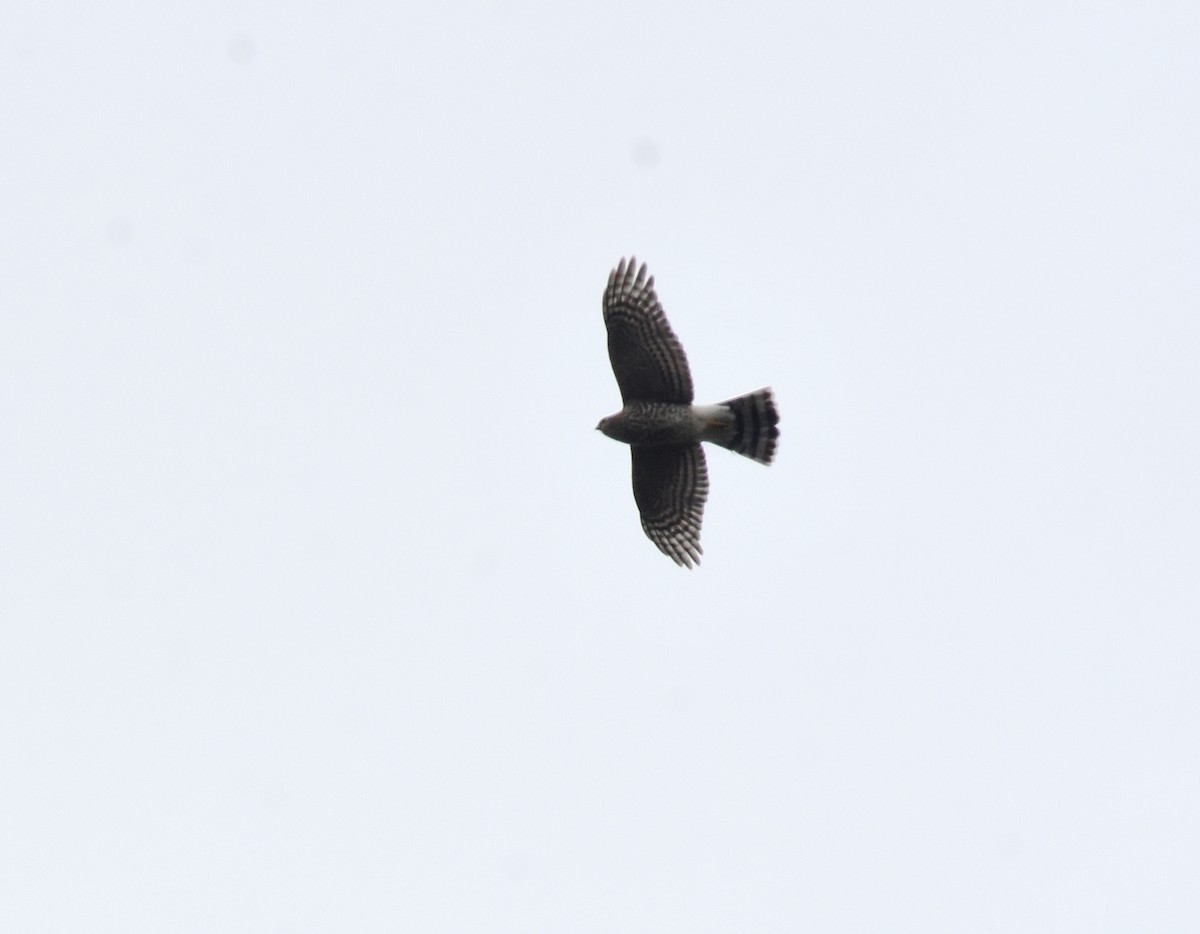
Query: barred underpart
(654, 423)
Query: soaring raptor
(659, 422)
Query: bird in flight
(659, 422)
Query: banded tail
(754, 431)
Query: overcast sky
(324, 608)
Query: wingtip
(627, 266)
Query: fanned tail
(754, 432)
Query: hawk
(659, 422)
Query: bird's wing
(670, 485)
(646, 356)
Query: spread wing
(670, 485)
(646, 356)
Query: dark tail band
(755, 429)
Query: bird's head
(606, 424)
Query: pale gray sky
(324, 607)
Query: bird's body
(659, 421)
(655, 424)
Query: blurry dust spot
(677, 698)
(241, 50)
(196, 249)
(1009, 846)
(645, 153)
(129, 305)
(517, 867)
(120, 230)
(22, 47)
(484, 562)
